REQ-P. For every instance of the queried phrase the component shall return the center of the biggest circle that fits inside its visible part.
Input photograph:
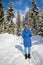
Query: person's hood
(26, 30)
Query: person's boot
(29, 56)
(25, 56)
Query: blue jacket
(26, 34)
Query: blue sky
(22, 4)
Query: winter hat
(26, 23)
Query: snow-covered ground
(11, 50)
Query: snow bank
(9, 40)
(36, 38)
(6, 40)
(11, 49)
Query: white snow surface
(11, 50)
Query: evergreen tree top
(33, 1)
(10, 4)
(34, 4)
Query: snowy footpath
(11, 50)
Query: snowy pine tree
(41, 24)
(18, 23)
(34, 16)
(10, 16)
(1, 16)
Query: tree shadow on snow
(20, 48)
(38, 43)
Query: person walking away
(26, 35)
